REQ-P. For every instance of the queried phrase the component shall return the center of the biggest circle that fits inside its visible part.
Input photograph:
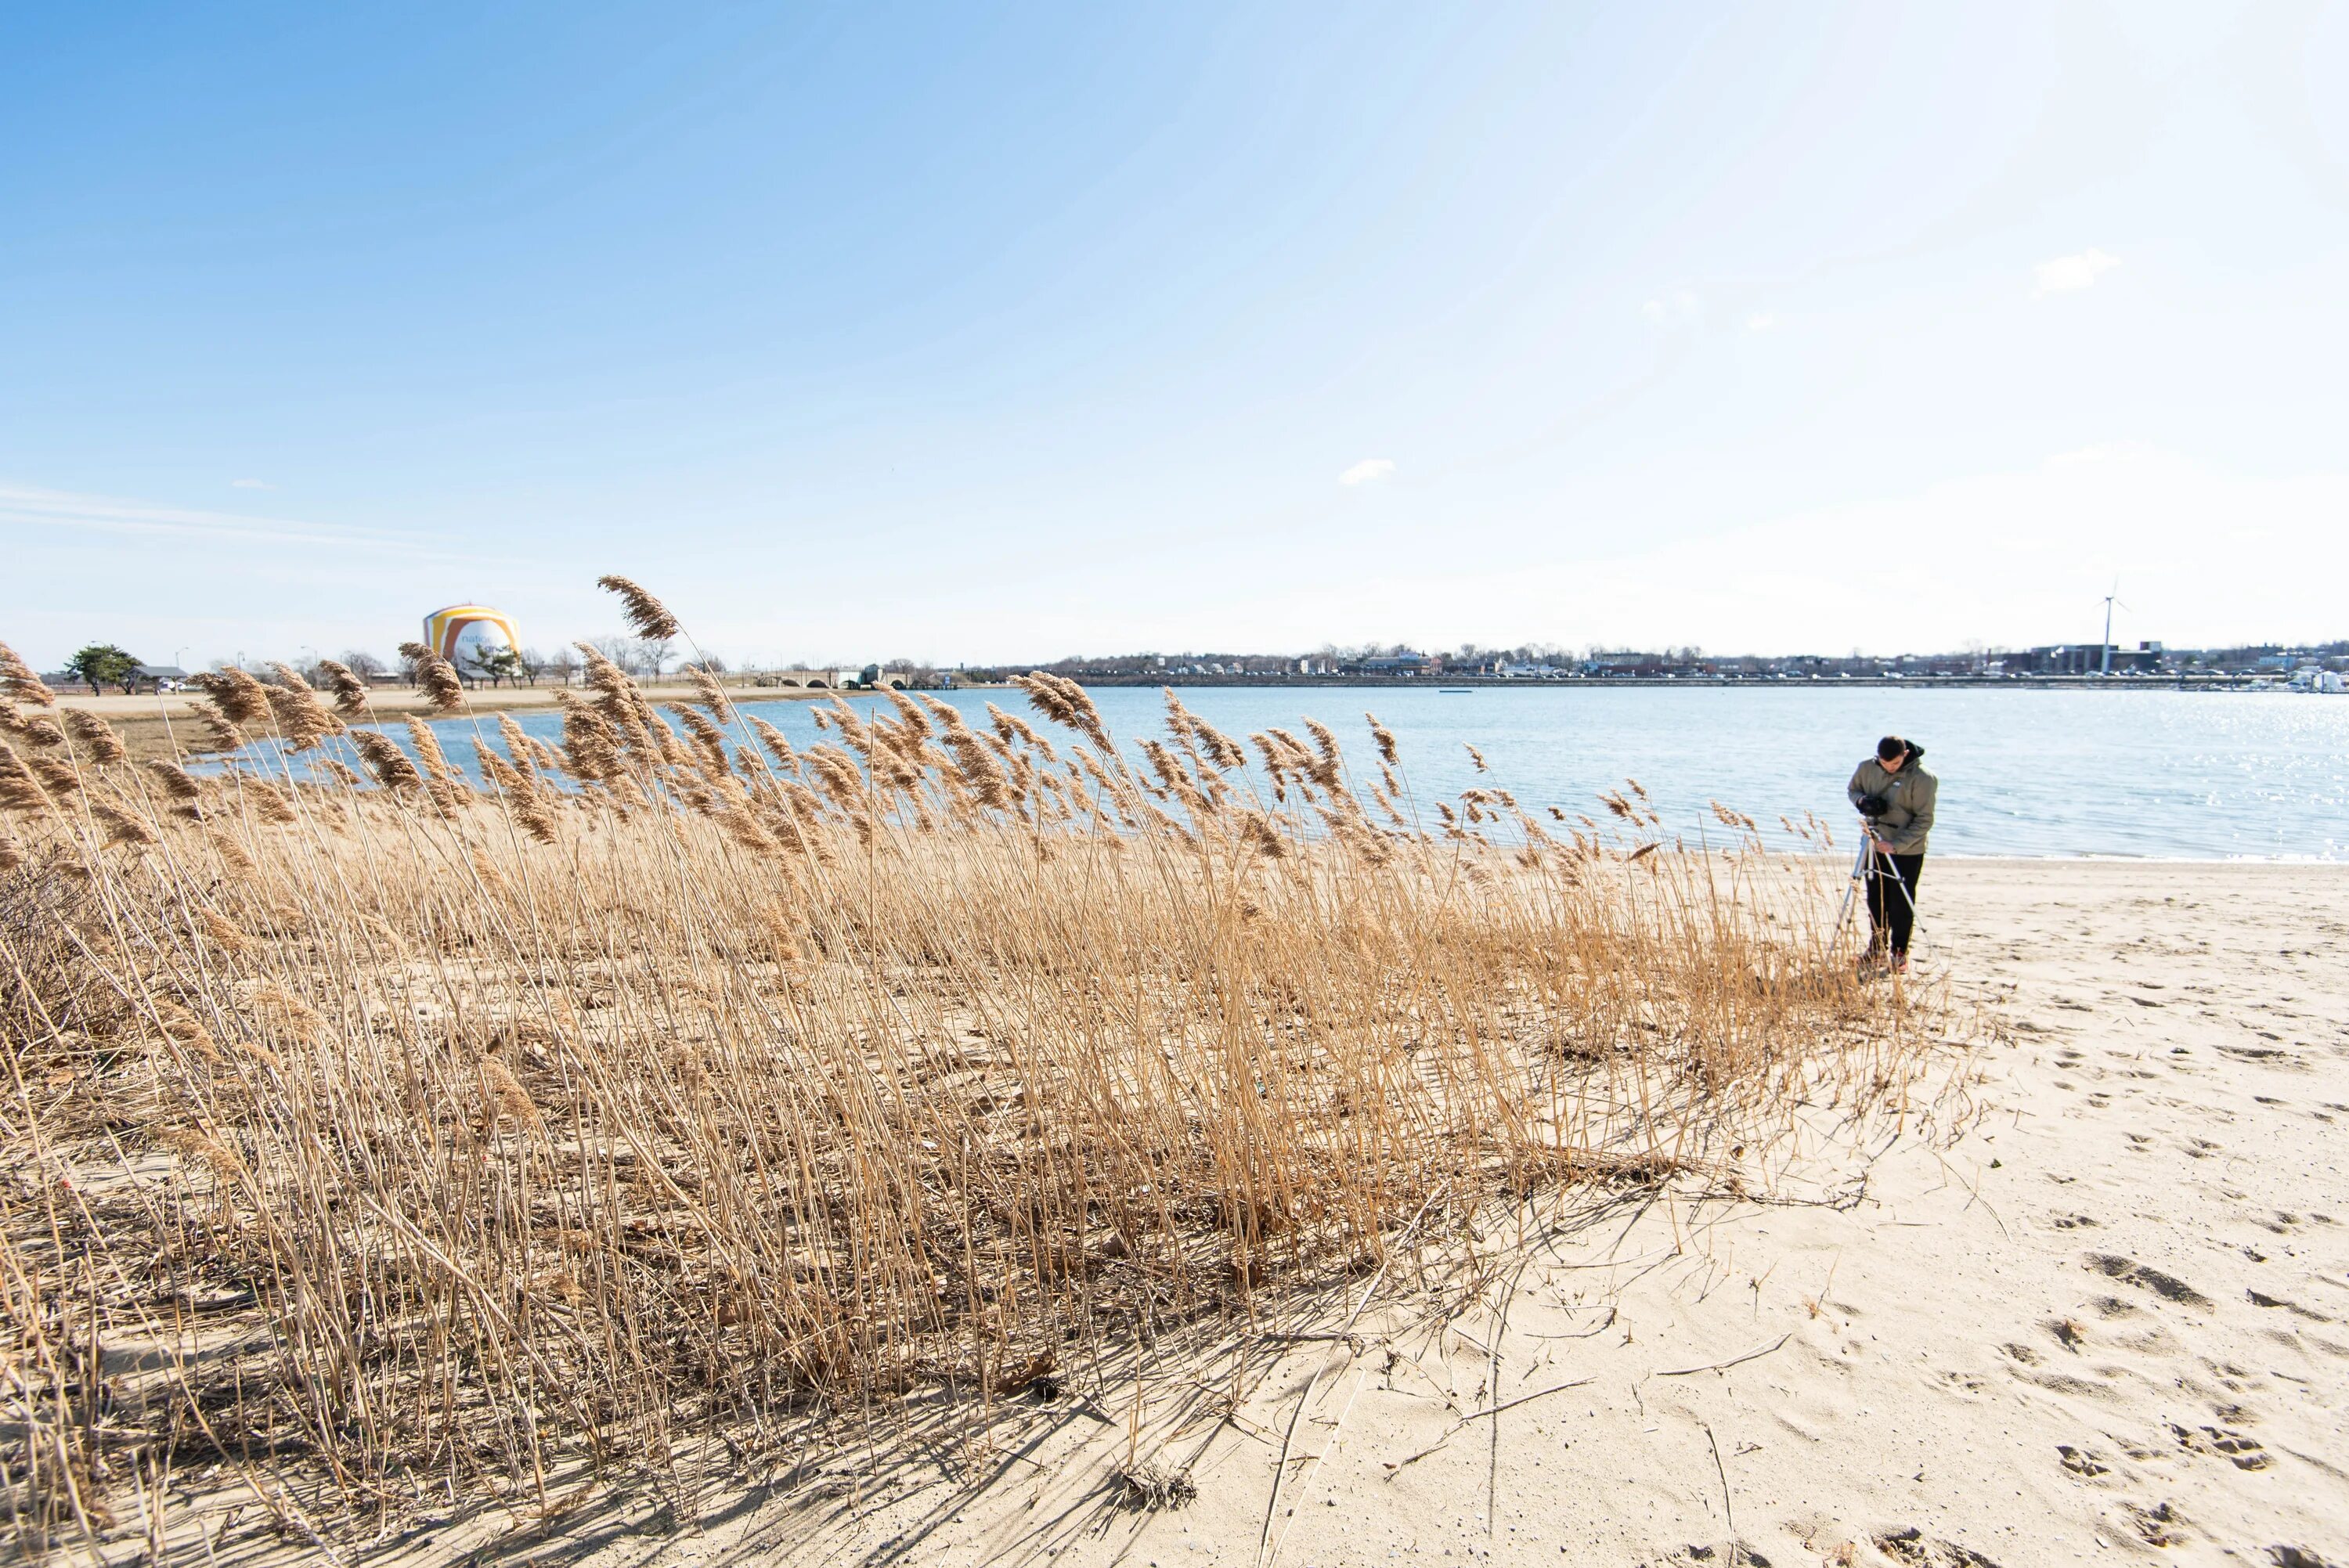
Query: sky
(979, 335)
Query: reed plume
(646, 615)
(34, 731)
(175, 780)
(20, 789)
(350, 692)
(241, 699)
(386, 760)
(443, 691)
(18, 679)
(302, 719)
(224, 730)
(713, 695)
(98, 737)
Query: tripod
(1862, 868)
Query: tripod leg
(1851, 886)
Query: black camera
(1873, 806)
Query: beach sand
(2089, 1303)
(2108, 1322)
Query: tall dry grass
(390, 1138)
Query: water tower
(461, 631)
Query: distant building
(1403, 662)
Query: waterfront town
(2319, 667)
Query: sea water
(2159, 774)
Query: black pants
(1892, 898)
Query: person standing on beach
(1895, 794)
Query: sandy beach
(2092, 1306)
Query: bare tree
(364, 664)
(637, 655)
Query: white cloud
(1761, 320)
(251, 484)
(2064, 275)
(51, 512)
(1369, 471)
(1679, 308)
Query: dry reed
(517, 1134)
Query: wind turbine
(2110, 600)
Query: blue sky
(877, 331)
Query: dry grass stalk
(18, 679)
(647, 616)
(350, 692)
(98, 738)
(436, 677)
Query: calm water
(2159, 774)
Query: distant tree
(637, 655)
(494, 664)
(564, 667)
(708, 662)
(103, 663)
(532, 665)
(364, 664)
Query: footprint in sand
(2159, 1525)
(2295, 1557)
(2131, 1272)
(2081, 1462)
(1911, 1546)
(2260, 1299)
(2245, 1452)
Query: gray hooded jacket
(1908, 803)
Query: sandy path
(2108, 1323)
